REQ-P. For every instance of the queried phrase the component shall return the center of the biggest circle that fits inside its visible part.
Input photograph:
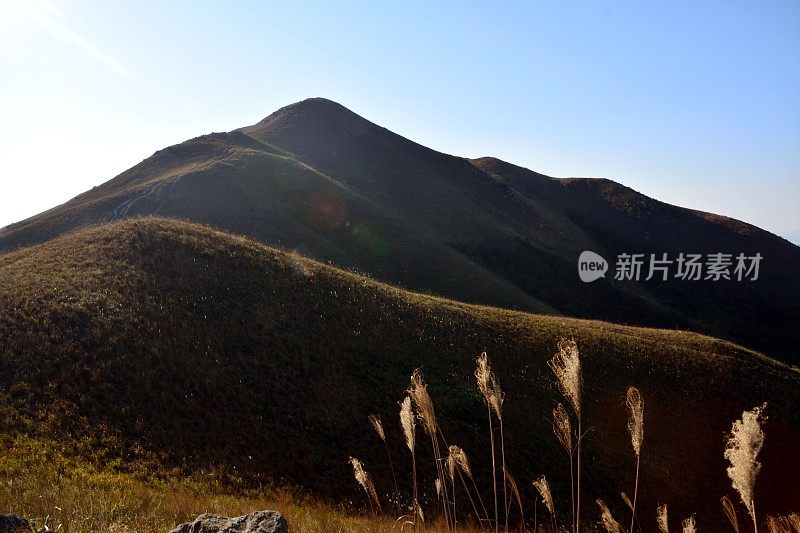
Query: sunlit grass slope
(166, 349)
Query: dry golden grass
(39, 482)
(458, 463)
(784, 524)
(376, 423)
(489, 387)
(562, 427)
(566, 365)
(418, 392)
(563, 431)
(407, 421)
(512, 484)
(607, 520)
(636, 419)
(365, 480)
(99, 334)
(457, 459)
(375, 420)
(730, 512)
(742, 449)
(662, 518)
(636, 429)
(543, 488)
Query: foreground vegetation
(63, 493)
(40, 482)
(742, 448)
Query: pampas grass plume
(543, 487)
(456, 458)
(730, 512)
(566, 365)
(365, 480)
(741, 450)
(562, 427)
(607, 520)
(418, 391)
(662, 518)
(636, 418)
(407, 422)
(378, 425)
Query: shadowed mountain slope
(318, 179)
(171, 344)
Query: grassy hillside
(319, 179)
(159, 346)
(80, 494)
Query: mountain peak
(311, 112)
(315, 104)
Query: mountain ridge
(318, 179)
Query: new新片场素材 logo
(684, 266)
(591, 266)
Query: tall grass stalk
(458, 463)
(741, 449)
(375, 420)
(784, 524)
(566, 365)
(490, 388)
(452, 471)
(636, 429)
(418, 391)
(512, 484)
(503, 462)
(409, 431)
(468, 472)
(627, 500)
(365, 480)
(543, 487)
(662, 518)
(629, 503)
(480, 500)
(730, 512)
(607, 519)
(563, 431)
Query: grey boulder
(11, 523)
(257, 522)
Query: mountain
(170, 345)
(319, 180)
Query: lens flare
(327, 211)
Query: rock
(11, 523)
(257, 522)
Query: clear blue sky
(696, 103)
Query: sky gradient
(695, 103)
